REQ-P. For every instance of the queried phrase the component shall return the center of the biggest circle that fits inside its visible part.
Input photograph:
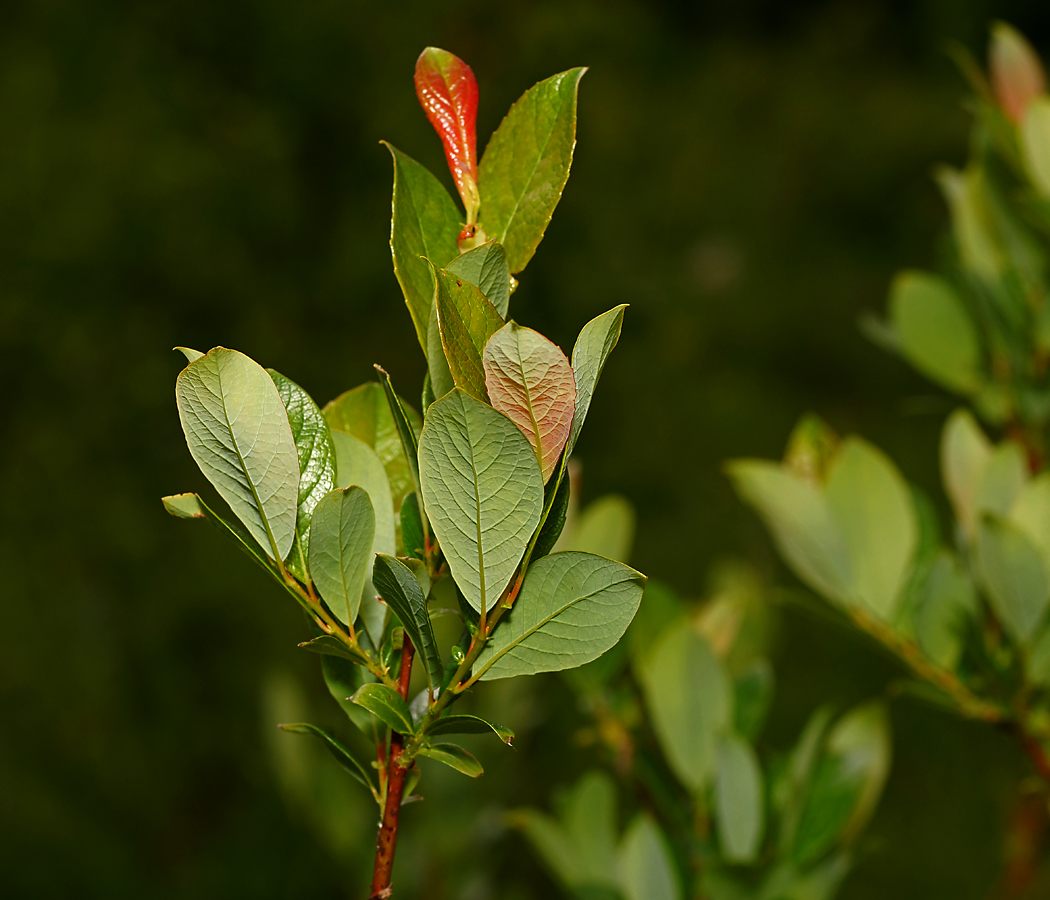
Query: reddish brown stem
(386, 843)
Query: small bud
(1017, 74)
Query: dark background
(749, 175)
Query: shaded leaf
(455, 756)
(646, 867)
(752, 697)
(441, 380)
(571, 609)
(327, 645)
(596, 341)
(237, 431)
(385, 704)
(343, 679)
(469, 725)
(342, 755)
(554, 521)
(529, 380)
(739, 808)
(947, 600)
(526, 164)
(424, 225)
(466, 321)
(1035, 143)
(1014, 575)
(486, 267)
(341, 541)
(401, 590)
(412, 527)
(316, 464)
(606, 528)
(482, 491)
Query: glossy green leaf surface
(365, 413)
(342, 755)
(237, 431)
(530, 381)
(937, 334)
(689, 699)
(526, 164)
(398, 586)
(412, 526)
(486, 267)
(873, 507)
(455, 756)
(739, 799)
(425, 225)
(316, 463)
(482, 490)
(646, 867)
(571, 609)
(385, 704)
(407, 425)
(470, 725)
(466, 321)
(341, 540)
(1012, 570)
(596, 341)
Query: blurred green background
(748, 176)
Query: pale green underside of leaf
(571, 609)
(425, 224)
(237, 431)
(316, 463)
(530, 381)
(689, 699)
(341, 542)
(965, 454)
(1015, 576)
(646, 867)
(357, 463)
(486, 267)
(482, 492)
(739, 799)
(524, 168)
(466, 321)
(596, 341)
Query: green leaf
(466, 321)
(593, 346)
(190, 354)
(1030, 512)
(342, 755)
(455, 756)
(590, 821)
(550, 842)
(606, 528)
(469, 725)
(238, 433)
(689, 700)
(327, 645)
(1014, 575)
(803, 525)
(190, 506)
(365, 413)
(571, 609)
(425, 225)
(341, 542)
(386, 704)
(739, 807)
(937, 334)
(554, 522)
(486, 267)
(1035, 144)
(530, 381)
(965, 454)
(873, 506)
(412, 527)
(441, 380)
(946, 601)
(646, 867)
(343, 678)
(526, 164)
(357, 463)
(398, 586)
(1002, 479)
(752, 697)
(316, 464)
(401, 416)
(482, 490)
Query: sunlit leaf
(482, 490)
(593, 346)
(385, 704)
(571, 609)
(526, 164)
(455, 756)
(466, 321)
(486, 267)
(965, 453)
(529, 380)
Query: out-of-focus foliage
(750, 177)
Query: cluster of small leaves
(377, 519)
(982, 329)
(680, 704)
(967, 608)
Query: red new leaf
(448, 93)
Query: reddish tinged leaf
(448, 93)
(530, 381)
(1017, 74)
